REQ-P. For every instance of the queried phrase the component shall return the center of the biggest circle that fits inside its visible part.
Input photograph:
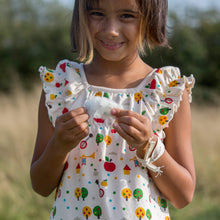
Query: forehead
(112, 4)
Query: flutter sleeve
(60, 85)
(164, 93)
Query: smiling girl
(127, 162)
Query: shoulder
(167, 88)
(59, 85)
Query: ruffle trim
(158, 97)
(61, 86)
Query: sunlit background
(36, 32)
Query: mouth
(111, 45)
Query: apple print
(109, 165)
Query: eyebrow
(120, 10)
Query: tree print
(138, 194)
(87, 212)
(148, 214)
(140, 213)
(84, 193)
(126, 193)
(97, 211)
(163, 203)
(78, 193)
(99, 138)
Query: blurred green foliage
(34, 33)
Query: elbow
(40, 191)
(184, 201)
(38, 187)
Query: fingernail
(113, 111)
(115, 124)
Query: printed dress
(102, 178)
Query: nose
(111, 27)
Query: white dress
(102, 178)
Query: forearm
(176, 182)
(47, 170)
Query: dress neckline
(140, 86)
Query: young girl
(117, 142)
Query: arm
(177, 182)
(53, 146)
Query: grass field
(18, 125)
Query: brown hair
(152, 26)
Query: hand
(70, 128)
(134, 128)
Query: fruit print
(148, 214)
(167, 218)
(84, 193)
(58, 85)
(104, 183)
(52, 96)
(140, 213)
(126, 193)
(48, 77)
(87, 212)
(138, 96)
(108, 140)
(163, 120)
(164, 111)
(109, 166)
(99, 138)
(138, 194)
(78, 193)
(97, 211)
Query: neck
(116, 67)
(126, 73)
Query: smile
(111, 45)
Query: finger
(120, 113)
(76, 121)
(123, 133)
(131, 121)
(71, 114)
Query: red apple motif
(109, 165)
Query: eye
(127, 16)
(96, 14)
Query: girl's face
(114, 28)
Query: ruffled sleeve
(164, 94)
(61, 86)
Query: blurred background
(36, 32)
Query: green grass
(17, 136)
